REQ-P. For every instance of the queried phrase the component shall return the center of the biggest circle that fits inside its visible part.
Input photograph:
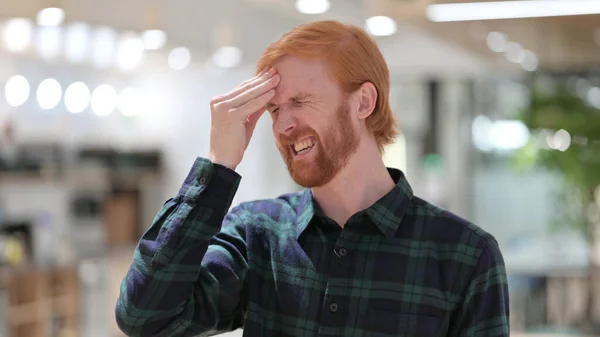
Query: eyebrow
(300, 97)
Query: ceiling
(560, 43)
(568, 43)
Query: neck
(362, 182)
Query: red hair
(353, 59)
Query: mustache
(297, 135)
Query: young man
(354, 254)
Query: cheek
(276, 136)
(311, 119)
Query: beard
(333, 150)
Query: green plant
(576, 161)
(579, 164)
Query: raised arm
(188, 271)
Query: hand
(234, 117)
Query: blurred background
(104, 107)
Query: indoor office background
(104, 107)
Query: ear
(367, 98)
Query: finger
(256, 77)
(240, 88)
(258, 103)
(254, 92)
(248, 84)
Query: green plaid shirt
(279, 267)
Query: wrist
(217, 160)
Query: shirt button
(333, 307)
(203, 180)
(342, 252)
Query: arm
(188, 271)
(484, 311)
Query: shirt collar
(386, 213)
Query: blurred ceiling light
(50, 16)
(312, 6)
(77, 97)
(104, 100)
(508, 135)
(154, 39)
(16, 90)
(493, 10)
(77, 40)
(48, 41)
(104, 50)
(582, 87)
(515, 52)
(18, 34)
(544, 139)
(480, 130)
(593, 96)
(579, 140)
(529, 61)
(381, 25)
(129, 102)
(179, 58)
(497, 42)
(49, 93)
(561, 140)
(227, 57)
(550, 140)
(130, 52)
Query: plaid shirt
(281, 268)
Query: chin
(308, 170)
(309, 175)
(307, 182)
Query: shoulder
(465, 253)
(455, 235)
(282, 209)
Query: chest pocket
(405, 325)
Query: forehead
(303, 76)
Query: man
(354, 254)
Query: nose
(285, 122)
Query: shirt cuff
(205, 174)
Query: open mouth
(303, 146)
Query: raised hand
(234, 117)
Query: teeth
(303, 145)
